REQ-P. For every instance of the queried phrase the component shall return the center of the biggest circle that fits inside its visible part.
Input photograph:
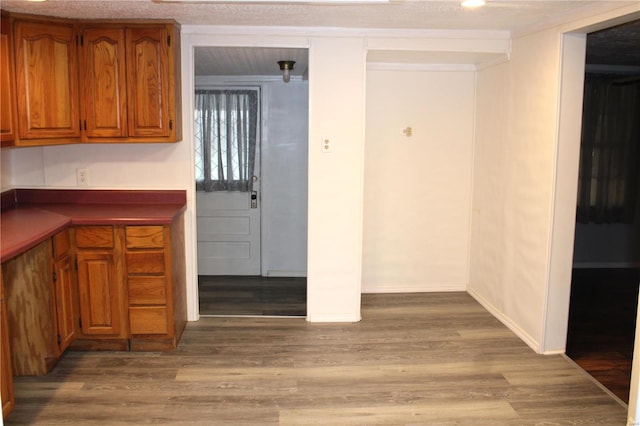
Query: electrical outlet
(326, 145)
(82, 177)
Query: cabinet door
(102, 59)
(6, 373)
(63, 291)
(99, 291)
(47, 81)
(6, 87)
(148, 82)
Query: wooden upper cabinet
(102, 61)
(129, 83)
(7, 106)
(46, 80)
(148, 82)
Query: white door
(229, 231)
(228, 222)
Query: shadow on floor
(241, 295)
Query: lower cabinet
(40, 305)
(131, 286)
(64, 290)
(6, 373)
(100, 284)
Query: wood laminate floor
(419, 359)
(241, 295)
(602, 320)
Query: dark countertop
(31, 216)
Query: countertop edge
(170, 212)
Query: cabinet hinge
(170, 124)
(80, 323)
(76, 263)
(168, 40)
(55, 276)
(59, 339)
(85, 124)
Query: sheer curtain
(609, 150)
(225, 139)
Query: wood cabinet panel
(30, 311)
(148, 82)
(61, 244)
(47, 80)
(6, 372)
(7, 105)
(148, 320)
(146, 262)
(147, 290)
(144, 237)
(63, 285)
(99, 290)
(102, 61)
(94, 237)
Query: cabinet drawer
(61, 244)
(148, 320)
(144, 236)
(94, 237)
(145, 262)
(147, 291)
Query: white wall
(110, 166)
(417, 188)
(525, 176)
(513, 182)
(336, 112)
(284, 177)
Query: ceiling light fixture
(286, 67)
(472, 3)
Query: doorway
(606, 262)
(252, 242)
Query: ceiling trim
(384, 66)
(345, 32)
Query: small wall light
(286, 67)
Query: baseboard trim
(523, 335)
(412, 288)
(333, 318)
(286, 274)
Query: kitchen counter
(29, 216)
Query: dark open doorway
(606, 264)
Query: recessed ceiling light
(472, 3)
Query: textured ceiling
(406, 14)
